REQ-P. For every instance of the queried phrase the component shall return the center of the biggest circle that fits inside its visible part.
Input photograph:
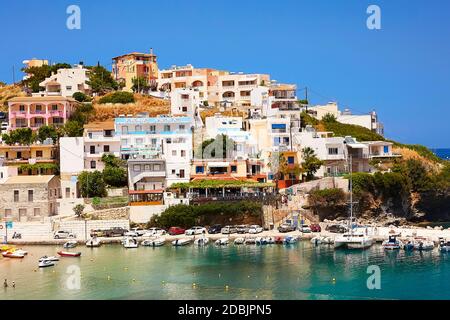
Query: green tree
(111, 160)
(92, 184)
(81, 97)
(23, 136)
(78, 209)
(46, 132)
(329, 118)
(73, 128)
(38, 74)
(310, 162)
(117, 97)
(140, 85)
(100, 80)
(115, 177)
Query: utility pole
(14, 75)
(306, 98)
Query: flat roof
(136, 54)
(41, 99)
(100, 125)
(29, 179)
(163, 120)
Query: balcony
(56, 113)
(18, 114)
(100, 154)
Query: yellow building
(30, 159)
(133, 65)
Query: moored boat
(290, 240)
(130, 243)
(222, 242)
(93, 242)
(13, 254)
(154, 242)
(353, 240)
(6, 248)
(444, 245)
(392, 243)
(181, 242)
(409, 246)
(423, 244)
(202, 241)
(250, 240)
(69, 254)
(46, 263)
(260, 241)
(51, 258)
(70, 244)
(239, 241)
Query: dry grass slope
(7, 92)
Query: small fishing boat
(202, 241)
(130, 243)
(422, 244)
(13, 254)
(270, 240)
(222, 242)
(239, 241)
(316, 240)
(290, 240)
(181, 242)
(409, 246)
(392, 243)
(93, 242)
(51, 258)
(260, 241)
(69, 254)
(70, 244)
(444, 245)
(279, 240)
(46, 263)
(250, 241)
(6, 248)
(154, 242)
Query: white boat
(20, 251)
(12, 254)
(222, 242)
(70, 244)
(423, 244)
(260, 241)
(202, 241)
(155, 242)
(239, 241)
(46, 263)
(130, 243)
(316, 240)
(250, 240)
(51, 258)
(93, 242)
(353, 240)
(270, 240)
(181, 242)
(392, 243)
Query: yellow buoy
(109, 277)
(134, 280)
(226, 287)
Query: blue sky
(402, 71)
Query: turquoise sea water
(301, 271)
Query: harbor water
(300, 271)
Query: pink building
(34, 112)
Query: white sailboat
(353, 239)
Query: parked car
(286, 227)
(195, 230)
(98, 233)
(215, 229)
(154, 232)
(228, 230)
(315, 227)
(115, 232)
(139, 231)
(243, 228)
(173, 231)
(304, 228)
(255, 229)
(61, 234)
(336, 228)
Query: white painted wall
(71, 155)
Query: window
(199, 169)
(106, 148)
(153, 141)
(21, 108)
(138, 128)
(156, 167)
(93, 164)
(182, 127)
(183, 153)
(92, 149)
(67, 192)
(147, 167)
(124, 142)
(332, 151)
(290, 160)
(124, 129)
(181, 173)
(233, 169)
(39, 153)
(173, 171)
(153, 128)
(139, 141)
(30, 195)
(137, 167)
(22, 213)
(184, 109)
(108, 133)
(7, 213)
(16, 195)
(37, 212)
(38, 107)
(68, 87)
(174, 153)
(54, 107)
(386, 149)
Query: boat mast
(351, 197)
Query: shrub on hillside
(117, 97)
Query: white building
(369, 121)
(319, 111)
(99, 139)
(71, 157)
(331, 150)
(66, 82)
(184, 102)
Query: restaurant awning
(218, 164)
